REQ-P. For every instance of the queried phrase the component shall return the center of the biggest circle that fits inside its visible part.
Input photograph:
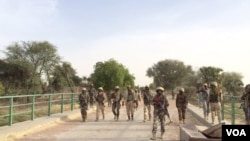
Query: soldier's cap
(117, 87)
(146, 86)
(84, 89)
(100, 89)
(159, 89)
(214, 84)
(181, 89)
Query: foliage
(13, 76)
(169, 73)
(64, 76)
(38, 57)
(209, 74)
(110, 73)
(232, 82)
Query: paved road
(108, 129)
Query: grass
(39, 112)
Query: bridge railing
(15, 109)
(230, 108)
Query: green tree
(110, 73)
(64, 75)
(232, 82)
(169, 73)
(13, 77)
(209, 74)
(39, 57)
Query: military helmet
(205, 84)
(84, 89)
(129, 86)
(159, 89)
(117, 87)
(247, 88)
(181, 89)
(214, 84)
(100, 89)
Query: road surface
(110, 130)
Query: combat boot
(117, 118)
(161, 137)
(153, 136)
(132, 117)
(128, 118)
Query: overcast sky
(136, 33)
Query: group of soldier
(211, 98)
(158, 100)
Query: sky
(136, 33)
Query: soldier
(109, 94)
(204, 91)
(137, 99)
(116, 98)
(173, 94)
(147, 100)
(100, 98)
(246, 103)
(92, 93)
(83, 101)
(129, 100)
(181, 104)
(160, 103)
(215, 99)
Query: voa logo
(236, 132)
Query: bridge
(68, 126)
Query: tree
(39, 57)
(232, 82)
(209, 74)
(13, 76)
(65, 76)
(110, 73)
(169, 73)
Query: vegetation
(35, 67)
(110, 73)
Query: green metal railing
(15, 109)
(230, 108)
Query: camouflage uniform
(129, 100)
(214, 99)
(147, 100)
(246, 103)
(181, 104)
(83, 101)
(100, 98)
(116, 98)
(92, 93)
(204, 91)
(173, 94)
(160, 103)
(137, 99)
(109, 95)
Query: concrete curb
(198, 114)
(192, 109)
